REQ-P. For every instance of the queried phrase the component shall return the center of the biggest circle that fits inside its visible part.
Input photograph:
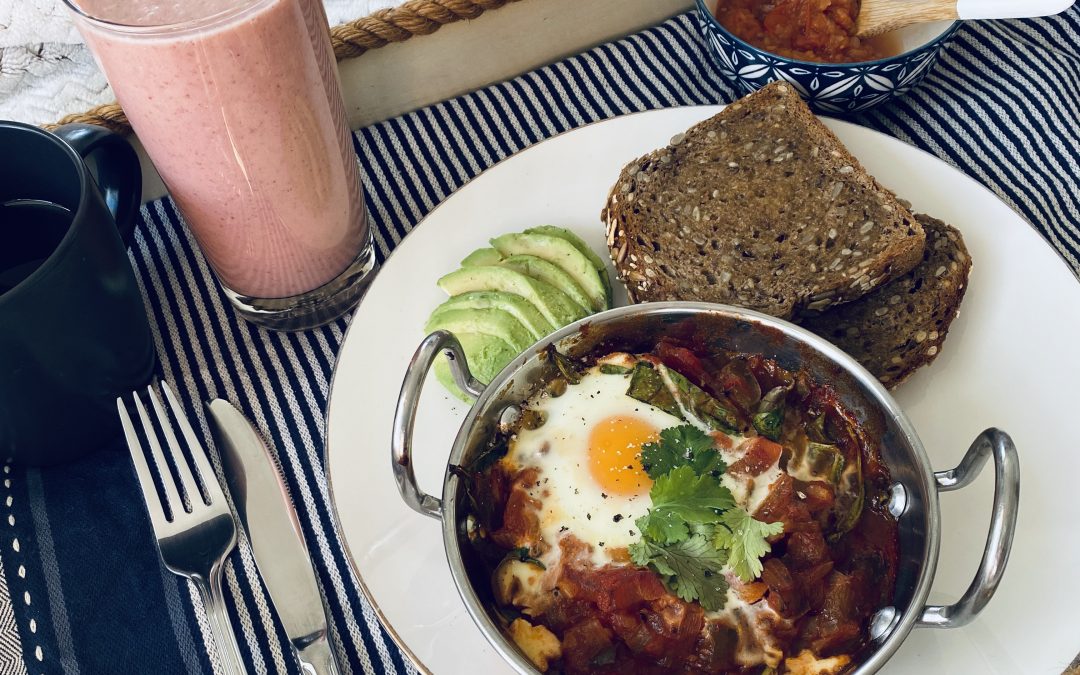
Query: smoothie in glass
(238, 105)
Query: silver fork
(194, 537)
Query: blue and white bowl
(828, 87)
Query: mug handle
(439, 342)
(119, 174)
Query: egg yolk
(615, 455)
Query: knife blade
(266, 513)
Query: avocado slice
(482, 256)
(573, 238)
(486, 356)
(556, 307)
(559, 252)
(517, 306)
(542, 270)
(493, 322)
(579, 244)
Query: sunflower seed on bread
(760, 206)
(900, 326)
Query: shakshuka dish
(683, 510)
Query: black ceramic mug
(73, 331)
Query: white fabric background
(46, 72)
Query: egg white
(572, 501)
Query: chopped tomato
(722, 440)
(752, 592)
(783, 505)
(784, 596)
(737, 384)
(835, 627)
(819, 496)
(583, 643)
(521, 524)
(682, 361)
(761, 453)
(630, 591)
(806, 549)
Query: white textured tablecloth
(46, 72)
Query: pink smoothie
(242, 117)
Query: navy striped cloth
(88, 594)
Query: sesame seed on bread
(760, 206)
(900, 326)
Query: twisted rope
(351, 39)
(415, 17)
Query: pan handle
(1002, 525)
(439, 342)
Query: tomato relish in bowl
(684, 510)
(821, 31)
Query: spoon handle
(881, 16)
(1009, 9)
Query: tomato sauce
(821, 31)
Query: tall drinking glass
(238, 104)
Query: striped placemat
(86, 592)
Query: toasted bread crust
(901, 326)
(760, 206)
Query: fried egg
(591, 483)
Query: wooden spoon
(881, 16)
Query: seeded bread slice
(900, 326)
(759, 206)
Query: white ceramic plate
(1011, 360)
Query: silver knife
(267, 514)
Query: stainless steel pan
(914, 494)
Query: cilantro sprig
(694, 529)
(691, 568)
(680, 446)
(746, 539)
(682, 498)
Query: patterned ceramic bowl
(827, 87)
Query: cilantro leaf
(691, 569)
(681, 498)
(745, 538)
(680, 446)
(640, 552)
(706, 530)
(662, 526)
(658, 458)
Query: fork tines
(179, 486)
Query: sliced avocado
(482, 256)
(517, 306)
(579, 244)
(559, 252)
(493, 322)
(486, 356)
(556, 307)
(542, 270)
